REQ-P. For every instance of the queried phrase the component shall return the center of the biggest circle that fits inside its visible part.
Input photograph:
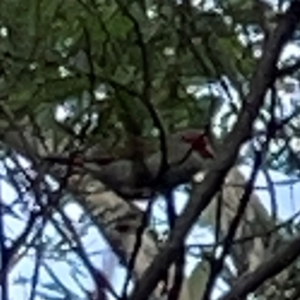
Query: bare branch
(274, 265)
(262, 79)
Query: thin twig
(217, 264)
(38, 260)
(136, 248)
(146, 95)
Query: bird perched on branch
(193, 140)
(188, 152)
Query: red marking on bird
(199, 143)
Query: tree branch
(262, 79)
(274, 265)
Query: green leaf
(118, 25)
